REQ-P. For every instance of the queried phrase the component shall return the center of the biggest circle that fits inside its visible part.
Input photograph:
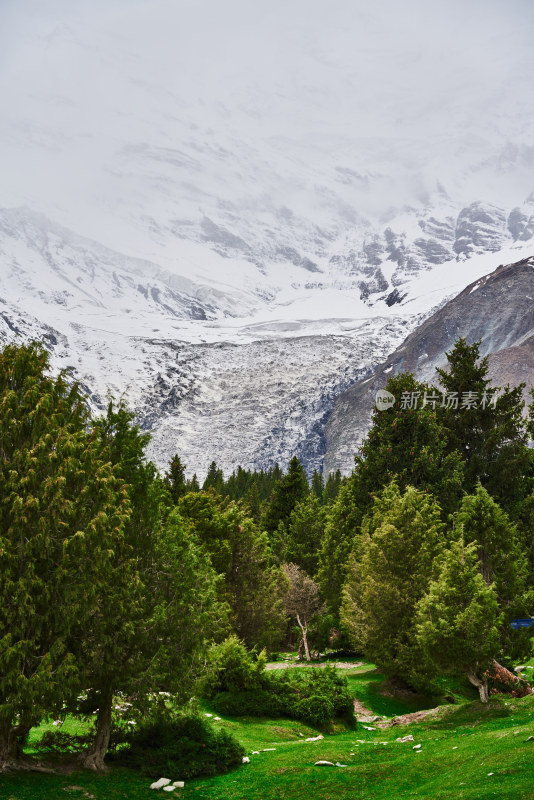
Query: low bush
(238, 685)
(232, 668)
(184, 746)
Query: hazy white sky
(117, 110)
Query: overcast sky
(278, 95)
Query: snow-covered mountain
(230, 213)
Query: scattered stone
(179, 784)
(455, 748)
(324, 764)
(530, 739)
(315, 738)
(160, 784)
(255, 752)
(368, 728)
(340, 765)
(208, 715)
(301, 735)
(408, 738)
(416, 747)
(170, 788)
(268, 749)
(246, 760)
(352, 754)
(490, 773)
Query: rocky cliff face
(497, 310)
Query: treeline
(117, 578)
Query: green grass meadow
(469, 752)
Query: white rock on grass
(408, 738)
(324, 764)
(246, 760)
(416, 747)
(170, 788)
(315, 738)
(340, 765)
(179, 784)
(268, 749)
(160, 784)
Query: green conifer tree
(175, 479)
(502, 563)
(63, 509)
(305, 534)
(401, 540)
(490, 434)
(458, 619)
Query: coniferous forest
(132, 600)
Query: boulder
(160, 784)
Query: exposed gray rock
(498, 310)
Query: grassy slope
(458, 751)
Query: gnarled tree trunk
(480, 683)
(94, 758)
(11, 754)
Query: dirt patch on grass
(293, 665)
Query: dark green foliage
(175, 479)
(238, 685)
(306, 528)
(63, 510)
(343, 523)
(394, 564)
(316, 697)
(458, 619)
(183, 747)
(214, 479)
(232, 668)
(332, 487)
(410, 445)
(317, 485)
(193, 485)
(289, 490)
(163, 595)
(239, 552)
(491, 438)
(502, 563)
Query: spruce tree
(289, 490)
(175, 479)
(490, 433)
(458, 619)
(214, 479)
(342, 527)
(305, 534)
(502, 563)
(401, 540)
(317, 485)
(332, 487)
